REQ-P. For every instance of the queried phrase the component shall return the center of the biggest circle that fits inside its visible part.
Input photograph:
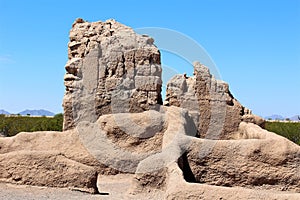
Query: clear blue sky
(255, 45)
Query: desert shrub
(290, 130)
(11, 125)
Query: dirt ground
(119, 187)
(110, 187)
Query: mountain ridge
(34, 112)
(4, 112)
(280, 117)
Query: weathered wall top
(215, 111)
(111, 69)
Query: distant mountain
(275, 117)
(40, 112)
(295, 118)
(4, 112)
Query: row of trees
(11, 125)
(289, 130)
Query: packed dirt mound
(255, 159)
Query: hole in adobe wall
(186, 169)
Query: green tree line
(290, 130)
(11, 125)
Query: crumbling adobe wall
(215, 111)
(110, 69)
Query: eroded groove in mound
(186, 169)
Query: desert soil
(111, 187)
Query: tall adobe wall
(110, 69)
(216, 113)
